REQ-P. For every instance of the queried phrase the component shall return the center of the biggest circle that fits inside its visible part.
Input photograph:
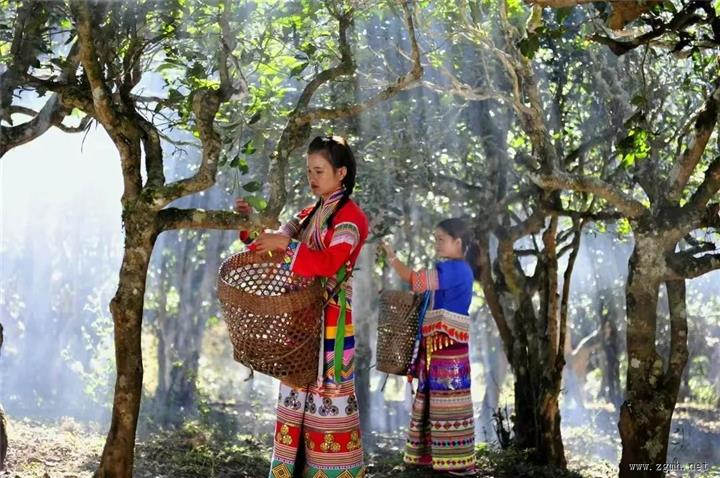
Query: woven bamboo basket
(274, 316)
(397, 330)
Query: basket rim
(290, 301)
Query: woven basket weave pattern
(397, 330)
(273, 316)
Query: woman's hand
(243, 207)
(269, 241)
(389, 251)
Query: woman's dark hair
(337, 152)
(458, 229)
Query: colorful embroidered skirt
(442, 431)
(327, 427)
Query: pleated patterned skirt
(442, 431)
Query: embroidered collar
(319, 219)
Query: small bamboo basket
(274, 316)
(397, 330)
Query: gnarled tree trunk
(127, 310)
(652, 383)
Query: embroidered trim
(455, 326)
(315, 228)
(291, 228)
(290, 255)
(345, 233)
(424, 280)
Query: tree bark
(127, 309)
(536, 424)
(652, 386)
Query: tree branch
(154, 164)
(174, 218)
(400, 84)
(51, 114)
(297, 129)
(491, 296)
(205, 105)
(617, 198)
(123, 131)
(296, 133)
(708, 188)
(102, 97)
(685, 165)
(682, 20)
(686, 266)
(676, 295)
(30, 18)
(590, 216)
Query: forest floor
(212, 446)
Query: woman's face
(323, 179)
(447, 246)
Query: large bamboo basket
(274, 316)
(397, 330)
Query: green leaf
(240, 163)
(529, 46)
(255, 118)
(628, 160)
(639, 100)
(252, 186)
(213, 321)
(257, 202)
(623, 227)
(308, 48)
(296, 71)
(562, 13)
(248, 148)
(196, 71)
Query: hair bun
(339, 140)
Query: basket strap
(340, 330)
(421, 318)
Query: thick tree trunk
(646, 414)
(127, 309)
(537, 418)
(537, 414)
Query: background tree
(665, 152)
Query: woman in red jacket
(318, 427)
